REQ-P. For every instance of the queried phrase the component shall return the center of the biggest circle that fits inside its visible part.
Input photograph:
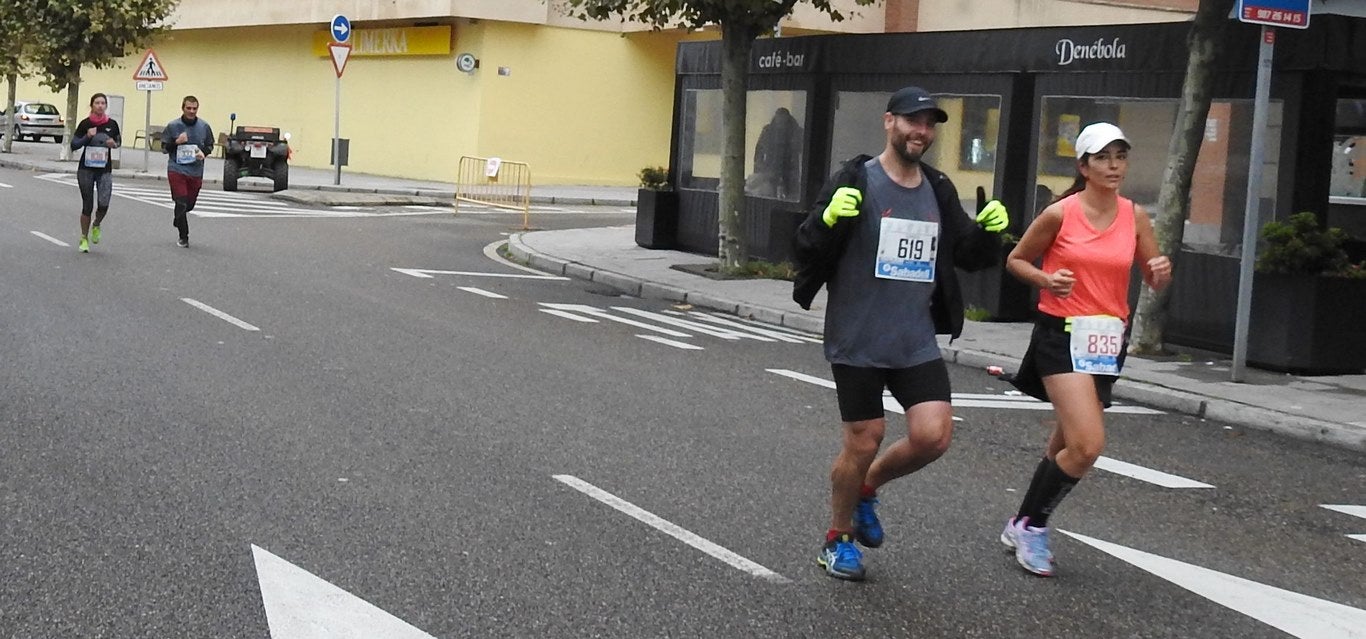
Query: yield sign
(150, 68)
(340, 52)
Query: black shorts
(860, 389)
(1050, 353)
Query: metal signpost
(340, 51)
(1269, 14)
(149, 76)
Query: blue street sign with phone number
(1275, 13)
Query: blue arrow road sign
(341, 28)
(1275, 13)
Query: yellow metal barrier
(494, 182)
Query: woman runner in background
(95, 137)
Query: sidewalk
(42, 156)
(1329, 410)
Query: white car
(36, 120)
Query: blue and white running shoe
(867, 528)
(1030, 545)
(842, 559)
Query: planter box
(1004, 297)
(656, 219)
(1308, 325)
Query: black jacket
(964, 245)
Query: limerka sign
(1099, 50)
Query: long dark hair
(1078, 184)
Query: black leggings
(95, 185)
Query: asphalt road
(443, 446)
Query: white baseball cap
(1095, 137)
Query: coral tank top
(1100, 261)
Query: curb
(441, 194)
(1130, 389)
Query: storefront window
(1219, 186)
(1349, 150)
(965, 147)
(701, 139)
(775, 133)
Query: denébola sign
(1069, 51)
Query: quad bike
(256, 151)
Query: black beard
(908, 156)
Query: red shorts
(184, 187)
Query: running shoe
(842, 559)
(183, 242)
(1030, 545)
(867, 528)
(94, 235)
(85, 245)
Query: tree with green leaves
(741, 22)
(1183, 150)
(13, 36)
(70, 34)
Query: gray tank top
(878, 310)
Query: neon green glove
(844, 203)
(993, 217)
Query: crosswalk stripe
(1165, 480)
(668, 342)
(569, 316)
(480, 291)
(779, 335)
(692, 326)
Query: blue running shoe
(842, 559)
(867, 528)
(1030, 545)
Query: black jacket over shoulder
(963, 244)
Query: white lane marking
(1291, 612)
(427, 273)
(693, 326)
(301, 605)
(812, 337)
(5, 186)
(599, 313)
(491, 252)
(480, 291)
(889, 403)
(1157, 477)
(50, 238)
(219, 314)
(1355, 511)
(568, 315)
(671, 529)
(668, 342)
(1165, 480)
(1361, 538)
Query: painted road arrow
(1299, 615)
(301, 605)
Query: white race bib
(1097, 342)
(96, 157)
(185, 154)
(906, 250)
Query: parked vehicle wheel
(232, 167)
(57, 139)
(18, 135)
(281, 171)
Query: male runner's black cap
(914, 100)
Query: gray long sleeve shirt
(200, 135)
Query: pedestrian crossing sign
(150, 68)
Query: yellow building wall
(579, 106)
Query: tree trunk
(1173, 201)
(13, 81)
(736, 43)
(73, 117)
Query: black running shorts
(1050, 353)
(860, 389)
